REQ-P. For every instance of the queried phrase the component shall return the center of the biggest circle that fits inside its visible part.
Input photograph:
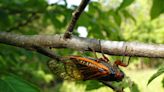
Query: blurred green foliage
(129, 20)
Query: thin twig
(75, 17)
(23, 23)
(115, 88)
(47, 52)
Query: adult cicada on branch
(87, 68)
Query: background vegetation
(121, 20)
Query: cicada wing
(66, 70)
(57, 68)
(88, 70)
(72, 71)
(76, 68)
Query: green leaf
(134, 88)
(158, 73)
(124, 4)
(157, 8)
(117, 18)
(163, 82)
(90, 86)
(128, 15)
(12, 83)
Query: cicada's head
(115, 73)
(118, 75)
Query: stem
(75, 17)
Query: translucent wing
(78, 68)
(65, 70)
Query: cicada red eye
(119, 75)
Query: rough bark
(84, 44)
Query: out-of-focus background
(118, 20)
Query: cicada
(87, 68)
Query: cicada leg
(104, 57)
(120, 62)
(95, 55)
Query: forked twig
(32, 17)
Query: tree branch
(83, 44)
(115, 88)
(75, 17)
